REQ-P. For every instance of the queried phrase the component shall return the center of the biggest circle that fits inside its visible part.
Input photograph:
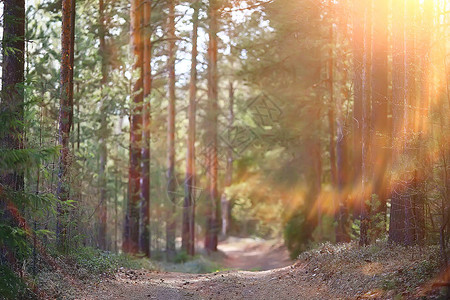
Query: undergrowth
(199, 264)
(383, 269)
(84, 264)
(95, 262)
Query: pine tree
(366, 176)
(188, 233)
(397, 215)
(379, 78)
(171, 180)
(144, 217)
(131, 230)
(65, 113)
(103, 131)
(212, 226)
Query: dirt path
(275, 279)
(253, 254)
(344, 271)
(274, 284)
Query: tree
(366, 176)
(13, 66)
(380, 136)
(188, 233)
(331, 100)
(65, 112)
(358, 47)
(225, 201)
(103, 131)
(423, 115)
(171, 180)
(409, 125)
(342, 159)
(212, 115)
(131, 230)
(144, 217)
(11, 109)
(397, 215)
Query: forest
(225, 149)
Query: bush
(95, 261)
(181, 257)
(298, 233)
(11, 286)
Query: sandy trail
(329, 272)
(254, 255)
(275, 278)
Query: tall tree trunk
(12, 100)
(13, 68)
(331, 104)
(379, 75)
(409, 118)
(212, 226)
(225, 201)
(131, 232)
(358, 47)
(103, 133)
(425, 42)
(342, 163)
(366, 176)
(171, 181)
(315, 184)
(188, 233)
(397, 214)
(65, 114)
(144, 220)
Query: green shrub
(11, 286)
(181, 257)
(298, 233)
(95, 261)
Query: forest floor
(258, 269)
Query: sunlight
(257, 149)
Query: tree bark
(423, 156)
(225, 202)
(171, 184)
(342, 163)
(11, 104)
(102, 233)
(379, 74)
(331, 104)
(366, 176)
(131, 232)
(65, 114)
(188, 232)
(410, 120)
(212, 226)
(397, 213)
(144, 218)
(358, 47)
(13, 67)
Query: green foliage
(198, 265)
(13, 238)
(181, 257)
(12, 286)
(91, 261)
(298, 233)
(377, 228)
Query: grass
(200, 264)
(84, 264)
